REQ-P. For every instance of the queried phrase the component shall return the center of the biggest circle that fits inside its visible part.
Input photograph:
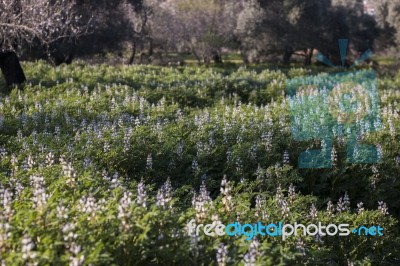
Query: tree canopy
(256, 28)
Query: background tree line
(144, 31)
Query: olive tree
(387, 13)
(280, 27)
(201, 27)
(288, 27)
(38, 23)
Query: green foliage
(86, 153)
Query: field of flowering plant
(105, 165)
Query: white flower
(124, 211)
(343, 203)
(141, 194)
(149, 162)
(222, 255)
(260, 208)
(330, 208)
(300, 246)
(360, 207)
(50, 159)
(39, 195)
(68, 172)
(62, 212)
(73, 248)
(383, 207)
(164, 195)
(313, 214)
(250, 258)
(27, 249)
(115, 181)
(225, 192)
(90, 206)
(286, 157)
(201, 202)
(292, 193)
(334, 157)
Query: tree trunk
(244, 56)
(287, 55)
(196, 55)
(216, 56)
(11, 69)
(132, 58)
(150, 51)
(141, 57)
(59, 59)
(308, 54)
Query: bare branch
(40, 21)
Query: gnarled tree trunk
(216, 56)
(287, 55)
(133, 54)
(308, 56)
(11, 69)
